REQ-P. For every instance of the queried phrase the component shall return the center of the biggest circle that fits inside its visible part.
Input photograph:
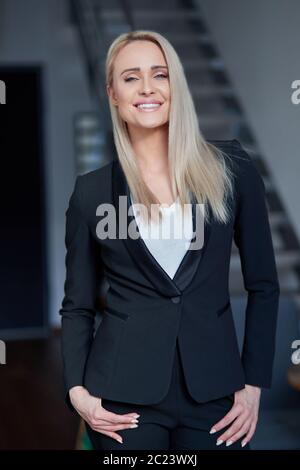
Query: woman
(166, 351)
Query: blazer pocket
(116, 313)
(224, 309)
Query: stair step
(202, 63)
(209, 105)
(223, 132)
(168, 27)
(213, 89)
(277, 218)
(252, 149)
(284, 259)
(157, 14)
(189, 37)
(278, 242)
(268, 183)
(289, 282)
(213, 119)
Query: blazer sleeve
(78, 307)
(252, 235)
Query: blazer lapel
(191, 260)
(140, 253)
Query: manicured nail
(120, 440)
(137, 416)
(228, 443)
(134, 421)
(219, 442)
(133, 426)
(243, 443)
(212, 431)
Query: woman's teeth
(148, 106)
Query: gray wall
(38, 32)
(259, 43)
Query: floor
(32, 410)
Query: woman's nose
(146, 85)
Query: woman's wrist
(77, 392)
(253, 387)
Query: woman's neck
(151, 149)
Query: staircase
(219, 112)
(221, 116)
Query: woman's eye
(162, 75)
(128, 79)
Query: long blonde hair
(196, 166)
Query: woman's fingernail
(228, 443)
(134, 420)
(120, 440)
(212, 431)
(243, 443)
(133, 426)
(137, 416)
(219, 442)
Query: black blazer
(130, 356)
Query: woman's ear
(111, 95)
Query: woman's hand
(244, 413)
(97, 417)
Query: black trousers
(178, 422)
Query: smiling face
(140, 76)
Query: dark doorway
(23, 286)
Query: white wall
(259, 43)
(35, 31)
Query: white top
(169, 242)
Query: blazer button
(175, 300)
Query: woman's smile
(148, 108)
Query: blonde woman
(163, 370)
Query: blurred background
(240, 59)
